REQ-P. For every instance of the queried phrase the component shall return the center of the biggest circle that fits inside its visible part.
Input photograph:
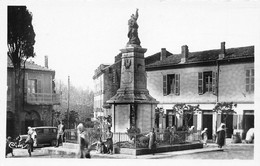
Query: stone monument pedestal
(132, 105)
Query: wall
(121, 117)
(232, 86)
(188, 86)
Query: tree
(81, 101)
(186, 112)
(225, 109)
(20, 47)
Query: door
(170, 118)
(207, 123)
(248, 121)
(229, 125)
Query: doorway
(248, 121)
(207, 122)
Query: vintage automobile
(45, 135)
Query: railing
(137, 140)
(42, 98)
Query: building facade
(205, 78)
(39, 96)
(201, 78)
(106, 83)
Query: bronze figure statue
(133, 30)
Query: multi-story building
(39, 96)
(205, 78)
(106, 82)
(201, 78)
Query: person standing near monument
(60, 133)
(133, 30)
(109, 142)
(152, 140)
(83, 143)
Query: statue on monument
(133, 30)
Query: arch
(32, 115)
(32, 118)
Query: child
(9, 146)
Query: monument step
(70, 145)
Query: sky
(78, 36)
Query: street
(243, 152)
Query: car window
(54, 130)
(46, 131)
(39, 131)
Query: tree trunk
(18, 103)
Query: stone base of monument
(161, 149)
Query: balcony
(42, 98)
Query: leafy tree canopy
(20, 35)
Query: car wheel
(53, 143)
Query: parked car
(45, 135)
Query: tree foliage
(185, 111)
(225, 108)
(20, 45)
(20, 35)
(81, 101)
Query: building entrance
(207, 122)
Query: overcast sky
(80, 35)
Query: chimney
(222, 51)
(46, 61)
(184, 53)
(163, 54)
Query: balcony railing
(42, 98)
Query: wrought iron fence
(163, 138)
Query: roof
(29, 65)
(201, 56)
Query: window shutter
(247, 80)
(214, 83)
(252, 80)
(177, 84)
(195, 120)
(25, 82)
(164, 85)
(200, 83)
(39, 86)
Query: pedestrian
(28, 143)
(152, 141)
(109, 142)
(221, 134)
(32, 133)
(84, 151)
(204, 135)
(60, 134)
(9, 146)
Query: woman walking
(221, 134)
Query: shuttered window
(214, 83)
(250, 80)
(39, 86)
(171, 84)
(164, 85)
(177, 84)
(200, 83)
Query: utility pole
(68, 101)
